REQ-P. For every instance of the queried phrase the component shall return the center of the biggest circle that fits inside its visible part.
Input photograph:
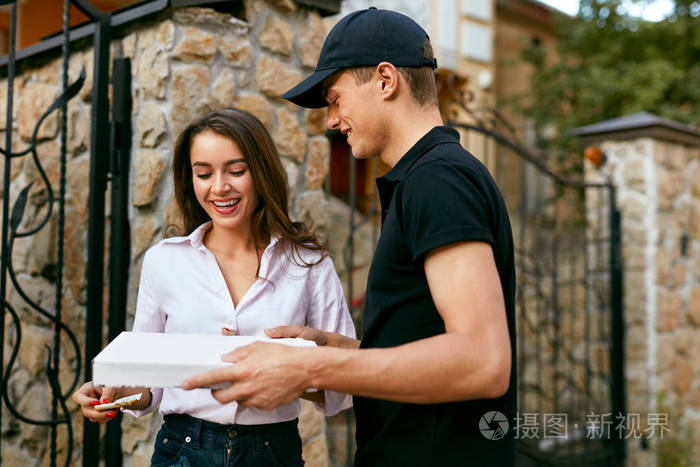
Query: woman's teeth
(226, 204)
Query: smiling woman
(243, 268)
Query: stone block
(13, 455)
(312, 37)
(277, 36)
(315, 121)
(669, 185)
(75, 253)
(696, 180)
(311, 422)
(315, 452)
(32, 351)
(683, 340)
(166, 34)
(288, 135)
(34, 100)
(152, 72)
(43, 254)
(292, 169)
(633, 209)
(668, 310)
(148, 168)
(680, 272)
(151, 125)
(34, 405)
(236, 50)
(135, 431)
(666, 350)
(225, 88)
(129, 45)
(189, 94)
(285, 5)
(317, 162)
(274, 78)
(694, 308)
(258, 106)
(636, 341)
(196, 45)
(311, 208)
(633, 175)
(77, 177)
(682, 375)
(663, 267)
(634, 256)
(142, 233)
(78, 137)
(174, 223)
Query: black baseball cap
(363, 38)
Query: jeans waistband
(234, 430)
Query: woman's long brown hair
(269, 179)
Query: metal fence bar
(99, 151)
(6, 185)
(119, 254)
(617, 324)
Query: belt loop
(196, 431)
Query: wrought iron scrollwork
(18, 211)
(12, 231)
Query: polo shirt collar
(437, 135)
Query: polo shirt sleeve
(440, 205)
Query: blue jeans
(185, 441)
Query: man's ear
(387, 80)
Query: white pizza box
(158, 360)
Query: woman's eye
(203, 175)
(237, 173)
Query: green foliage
(611, 64)
(676, 447)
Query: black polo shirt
(437, 194)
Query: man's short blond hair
(421, 80)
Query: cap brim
(309, 93)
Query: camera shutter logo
(493, 425)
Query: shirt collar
(437, 135)
(195, 239)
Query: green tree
(610, 64)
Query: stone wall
(184, 62)
(658, 190)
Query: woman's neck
(229, 242)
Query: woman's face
(222, 182)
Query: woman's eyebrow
(207, 164)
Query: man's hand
(321, 338)
(265, 376)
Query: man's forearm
(443, 368)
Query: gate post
(654, 164)
(99, 159)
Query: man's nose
(332, 121)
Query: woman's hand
(88, 396)
(331, 339)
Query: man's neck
(406, 130)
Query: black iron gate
(109, 160)
(571, 406)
